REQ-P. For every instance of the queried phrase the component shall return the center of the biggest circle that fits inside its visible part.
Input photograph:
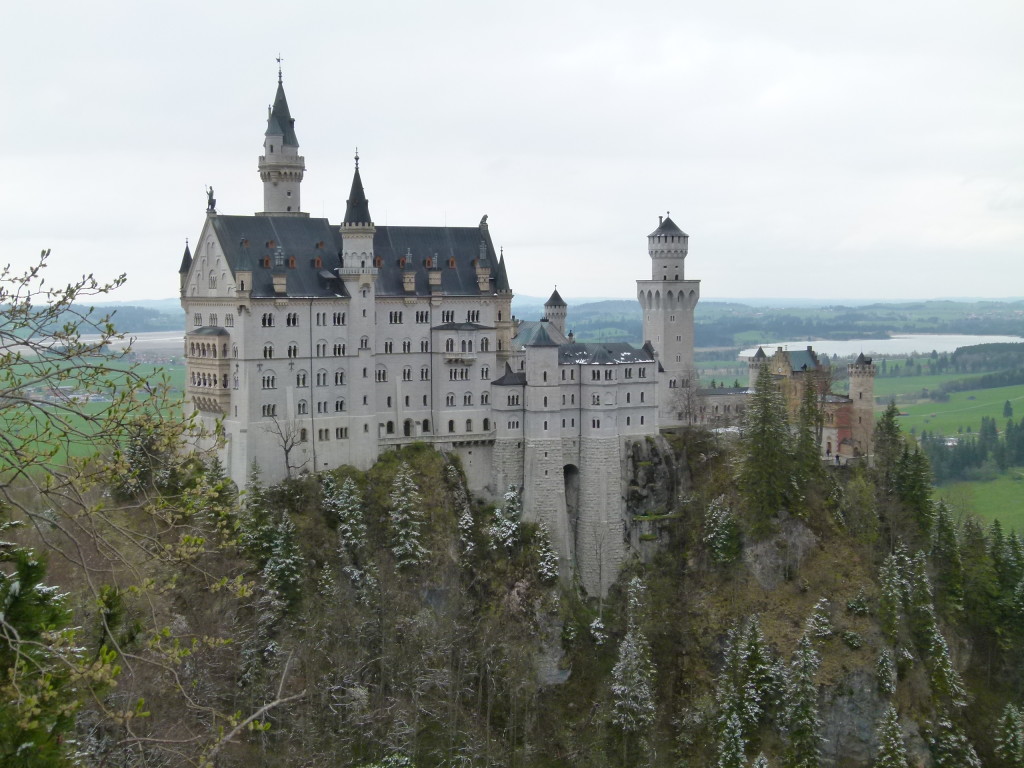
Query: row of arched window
(206, 349)
(208, 380)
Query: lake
(895, 346)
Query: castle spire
(281, 167)
(358, 209)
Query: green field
(1002, 498)
(910, 387)
(963, 411)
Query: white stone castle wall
(599, 545)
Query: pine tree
(950, 747)
(345, 504)
(802, 722)
(819, 623)
(732, 746)
(888, 443)
(766, 472)
(721, 532)
(752, 684)
(807, 450)
(282, 572)
(885, 673)
(949, 567)
(406, 520)
(1010, 738)
(547, 560)
(41, 664)
(633, 706)
(891, 751)
(503, 532)
(895, 590)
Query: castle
(311, 345)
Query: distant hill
(719, 323)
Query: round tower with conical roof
(281, 167)
(555, 310)
(668, 300)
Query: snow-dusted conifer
(891, 751)
(760, 762)
(346, 504)
(503, 533)
(819, 623)
(460, 500)
(282, 572)
(732, 746)
(406, 520)
(1010, 738)
(597, 632)
(547, 566)
(721, 532)
(894, 591)
(945, 680)
(802, 722)
(633, 708)
(885, 673)
(950, 747)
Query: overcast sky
(809, 148)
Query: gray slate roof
(805, 360)
(527, 331)
(668, 227)
(280, 122)
(510, 378)
(357, 210)
(555, 300)
(606, 354)
(186, 261)
(245, 242)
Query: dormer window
(266, 262)
(291, 262)
(451, 263)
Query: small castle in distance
(312, 345)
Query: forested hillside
(777, 612)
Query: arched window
(449, 345)
(451, 425)
(469, 425)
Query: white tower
(667, 301)
(281, 167)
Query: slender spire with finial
(280, 80)
(358, 209)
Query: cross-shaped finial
(279, 60)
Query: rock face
(776, 558)
(653, 482)
(849, 714)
